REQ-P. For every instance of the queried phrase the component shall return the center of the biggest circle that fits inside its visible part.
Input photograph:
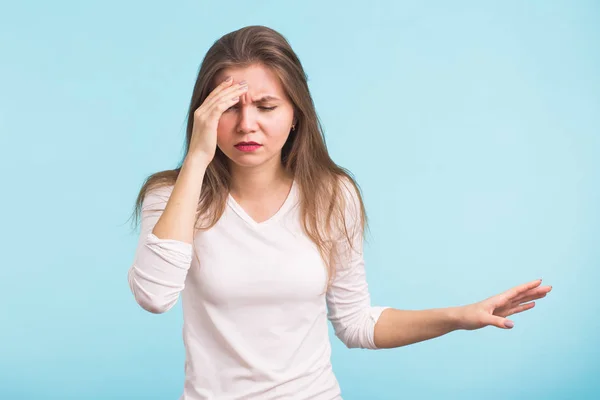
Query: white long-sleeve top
(255, 308)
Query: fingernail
(242, 83)
(229, 79)
(509, 324)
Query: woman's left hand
(494, 310)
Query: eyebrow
(265, 99)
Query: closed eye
(235, 106)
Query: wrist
(455, 316)
(196, 160)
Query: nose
(247, 118)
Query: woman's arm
(397, 328)
(348, 299)
(163, 256)
(164, 251)
(177, 220)
(359, 324)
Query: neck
(259, 181)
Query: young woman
(260, 232)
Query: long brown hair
(322, 198)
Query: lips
(248, 144)
(248, 147)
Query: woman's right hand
(203, 143)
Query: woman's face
(264, 115)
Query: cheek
(225, 127)
(279, 125)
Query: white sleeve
(348, 298)
(160, 266)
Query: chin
(247, 160)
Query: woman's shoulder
(349, 190)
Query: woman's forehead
(260, 79)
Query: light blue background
(472, 127)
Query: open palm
(495, 309)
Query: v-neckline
(287, 205)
